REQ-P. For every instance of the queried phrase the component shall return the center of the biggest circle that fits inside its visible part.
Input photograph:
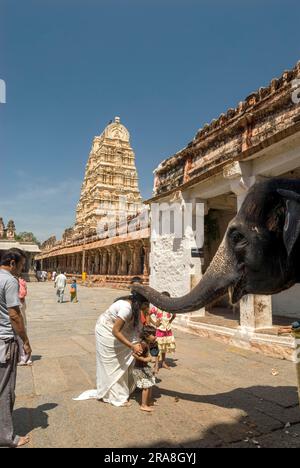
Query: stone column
(131, 253)
(97, 263)
(84, 261)
(255, 311)
(28, 262)
(104, 267)
(112, 261)
(88, 262)
(92, 262)
(78, 263)
(119, 256)
(123, 261)
(146, 270)
(194, 211)
(137, 259)
(100, 261)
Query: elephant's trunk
(218, 278)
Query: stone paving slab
(214, 395)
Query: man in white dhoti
(60, 284)
(117, 333)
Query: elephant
(259, 254)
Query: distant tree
(27, 237)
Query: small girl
(73, 290)
(143, 373)
(164, 335)
(23, 358)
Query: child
(23, 358)
(164, 335)
(142, 372)
(73, 290)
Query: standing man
(11, 326)
(60, 283)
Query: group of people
(132, 341)
(41, 276)
(60, 283)
(14, 343)
(129, 338)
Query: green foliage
(26, 237)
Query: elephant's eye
(237, 237)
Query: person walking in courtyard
(23, 358)
(53, 275)
(11, 325)
(60, 284)
(73, 291)
(143, 373)
(164, 335)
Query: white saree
(115, 361)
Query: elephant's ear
(292, 219)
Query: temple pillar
(123, 261)
(104, 269)
(146, 269)
(135, 254)
(137, 259)
(131, 254)
(112, 261)
(97, 263)
(79, 263)
(88, 262)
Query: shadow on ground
(36, 358)
(267, 412)
(28, 419)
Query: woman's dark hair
(147, 330)
(10, 255)
(137, 300)
(136, 279)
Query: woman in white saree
(117, 333)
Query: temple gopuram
(110, 190)
(8, 241)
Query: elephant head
(258, 255)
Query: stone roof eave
(217, 165)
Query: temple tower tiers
(11, 229)
(110, 174)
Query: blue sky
(165, 67)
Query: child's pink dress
(164, 335)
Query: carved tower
(111, 181)
(10, 230)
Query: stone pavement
(214, 395)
